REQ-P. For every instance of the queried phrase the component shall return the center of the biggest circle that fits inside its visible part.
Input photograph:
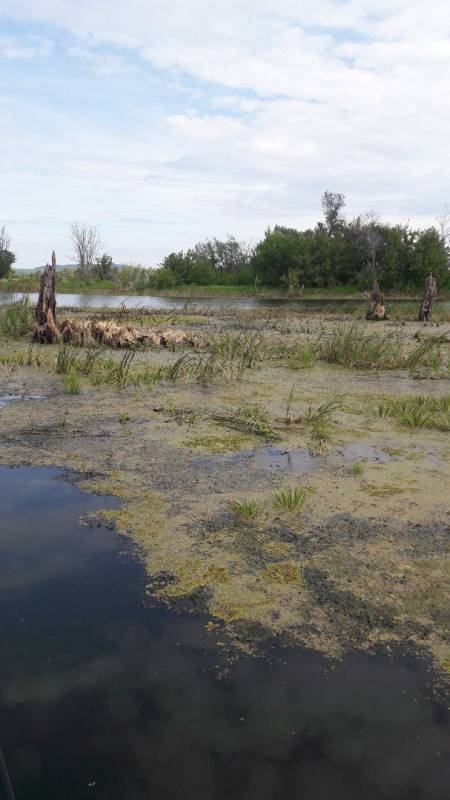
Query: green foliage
(289, 499)
(7, 259)
(251, 418)
(249, 510)
(320, 420)
(15, 319)
(349, 346)
(357, 469)
(71, 383)
(66, 359)
(418, 411)
(104, 267)
(426, 358)
(227, 359)
(302, 356)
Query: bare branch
(86, 246)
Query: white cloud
(275, 102)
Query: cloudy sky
(165, 121)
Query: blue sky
(164, 123)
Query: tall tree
(86, 246)
(332, 205)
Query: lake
(174, 303)
(106, 695)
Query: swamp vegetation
(287, 475)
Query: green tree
(104, 267)
(7, 258)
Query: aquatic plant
(350, 346)
(16, 318)
(303, 356)
(418, 411)
(226, 360)
(320, 420)
(247, 509)
(357, 469)
(250, 418)
(289, 499)
(71, 383)
(426, 358)
(66, 359)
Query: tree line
(336, 252)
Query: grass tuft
(289, 499)
(247, 509)
(71, 383)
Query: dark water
(102, 697)
(174, 303)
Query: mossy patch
(215, 444)
(282, 572)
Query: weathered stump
(429, 296)
(46, 328)
(376, 311)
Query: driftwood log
(429, 296)
(46, 328)
(83, 333)
(376, 311)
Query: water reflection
(103, 697)
(174, 303)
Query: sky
(163, 123)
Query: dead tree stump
(429, 296)
(376, 311)
(46, 329)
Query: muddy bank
(363, 561)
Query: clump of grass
(15, 318)
(426, 358)
(66, 360)
(250, 418)
(147, 376)
(71, 383)
(226, 361)
(418, 411)
(349, 346)
(249, 510)
(303, 356)
(321, 419)
(120, 374)
(123, 417)
(92, 357)
(357, 469)
(289, 499)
